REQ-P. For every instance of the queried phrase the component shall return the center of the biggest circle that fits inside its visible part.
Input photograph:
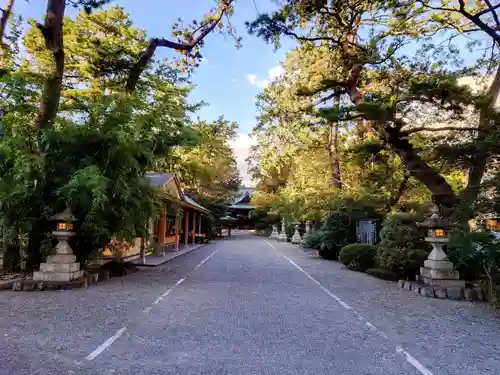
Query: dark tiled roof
(158, 178)
(192, 202)
(242, 194)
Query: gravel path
(244, 307)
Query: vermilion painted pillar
(186, 226)
(199, 225)
(162, 229)
(194, 226)
(177, 231)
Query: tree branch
(479, 23)
(146, 56)
(333, 95)
(490, 9)
(325, 85)
(438, 129)
(3, 20)
(399, 193)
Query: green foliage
(336, 234)
(402, 248)
(313, 240)
(389, 76)
(358, 256)
(473, 253)
(12, 258)
(94, 155)
(382, 273)
(208, 167)
(476, 255)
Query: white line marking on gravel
(158, 300)
(106, 344)
(409, 358)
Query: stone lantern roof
(66, 216)
(436, 221)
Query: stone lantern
(438, 270)
(274, 233)
(282, 235)
(296, 239)
(308, 230)
(61, 267)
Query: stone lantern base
(296, 239)
(282, 236)
(274, 233)
(437, 269)
(62, 266)
(59, 267)
(441, 274)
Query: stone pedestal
(274, 234)
(437, 269)
(308, 230)
(62, 266)
(282, 235)
(296, 239)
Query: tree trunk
(6, 12)
(333, 156)
(52, 33)
(399, 193)
(35, 238)
(442, 193)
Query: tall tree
(189, 42)
(209, 167)
(101, 143)
(371, 71)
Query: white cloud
(241, 146)
(272, 74)
(252, 79)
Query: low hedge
(358, 256)
(382, 273)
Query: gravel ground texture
(250, 308)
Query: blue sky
(229, 78)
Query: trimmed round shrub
(313, 240)
(358, 256)
(382, 273)
(336, 232)
(402, 248)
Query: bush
(264, 232)
(358, 256)
(261, 226)
(336, 233)
(382, 273)
(471, 251)
(313, 240)
(12, 258)
(402, 248)
(118, 268)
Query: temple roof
(164, 180)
